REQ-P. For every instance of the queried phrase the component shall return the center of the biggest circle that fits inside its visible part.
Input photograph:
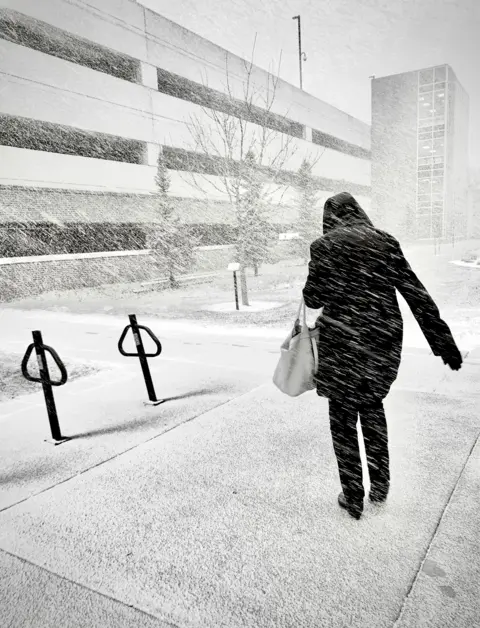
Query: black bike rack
(135, 327)
(46, 382)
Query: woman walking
(354, 271)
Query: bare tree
(248, 149)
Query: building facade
(474, 204)
(420, 154)
(92, 91)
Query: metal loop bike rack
(142, 355)
(47, 383)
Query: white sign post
(235, 267)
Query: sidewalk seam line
(196, 416)
(87, 588)
(435, 533)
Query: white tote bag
(298, 362)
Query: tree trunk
(255, 270)
(173, 281)
(243, 283)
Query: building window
(425, 147)
(55, 138)
(440, 74)
(425, 134)
(424, 209)
(439, 146)
(437, 185)
(426, 76)
(37, 35)
(423, 199)
(439, 104)
(425, 114)
(426, 101)
(425, 123)
(424, 186)
(425, 91)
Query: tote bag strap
(302, 309)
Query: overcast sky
(346, 41)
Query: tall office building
(420, 154)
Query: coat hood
(342, 210)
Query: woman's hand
(453, 359)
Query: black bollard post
(46, 382)
(234, 266)
(235, 286)
(142, 355)
(143, 359)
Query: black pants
(343, 425)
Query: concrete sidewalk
(218, 508)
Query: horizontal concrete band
(44, 169)
(35, 259)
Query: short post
(135, 327)
(46, 382)
(143, 358)
(235, 267)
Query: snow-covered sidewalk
(221, 509)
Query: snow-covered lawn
(274, 295)
(474, 264)
(254, 306)
(13, 384)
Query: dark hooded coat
(354, 272)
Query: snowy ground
(475, 264)
(228, 470)
(274, 295)
(255, 306)
(157, 516)
(13, 384)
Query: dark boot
(354, 510)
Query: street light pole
(301, 55)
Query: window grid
(431, 151)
